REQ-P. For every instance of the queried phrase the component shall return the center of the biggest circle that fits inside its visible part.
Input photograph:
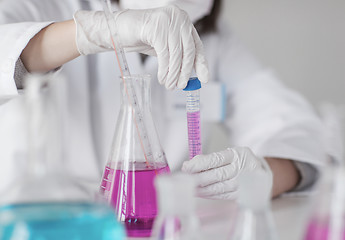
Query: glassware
(128, 178)
(327, 221)
(46, 203)
(56, 221)
(176, 219)
(254, 219)
(193, 116)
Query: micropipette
(193, 116)
(130, 92)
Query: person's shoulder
(222, 33)
(53, 4)
(37, 10)
(58, 8)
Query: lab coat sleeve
(20, 72)
(263, 114)
(16, 37)
(309, 174)
(275, 121)
(20, 20)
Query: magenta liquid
(319, 231)
(133, 196)
(194, 138)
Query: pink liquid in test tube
(320, 231)
(193, 116)
(194, 138)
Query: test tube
(193, 116)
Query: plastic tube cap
(193, 84)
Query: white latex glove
(218, 173)
(165, 32)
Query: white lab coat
(261, 113)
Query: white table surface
(290, 215)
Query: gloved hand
(218, 173)
(165, 32)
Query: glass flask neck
(44, 105)
(254, 220)
(44, 178)
(254, 225)
(37, 130)
(176, 195)
(176, 205)
(136, 139)
(177, 219)
(142, 88)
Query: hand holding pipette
(164, 32)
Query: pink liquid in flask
(319, 231)
(133, 195)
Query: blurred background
(302, 41)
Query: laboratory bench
(290, 214)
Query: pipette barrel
(125, 74)
(119, 51)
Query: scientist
(281, 132)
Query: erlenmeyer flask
(176, 218)
(134, 161)
(327, 221)
(45, 203)
(254, 220)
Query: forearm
(285, 175)
(52, 47)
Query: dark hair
(208, 23)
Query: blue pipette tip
(193, 84)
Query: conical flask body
(45, 202)
(327, 219)
(135, 160)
